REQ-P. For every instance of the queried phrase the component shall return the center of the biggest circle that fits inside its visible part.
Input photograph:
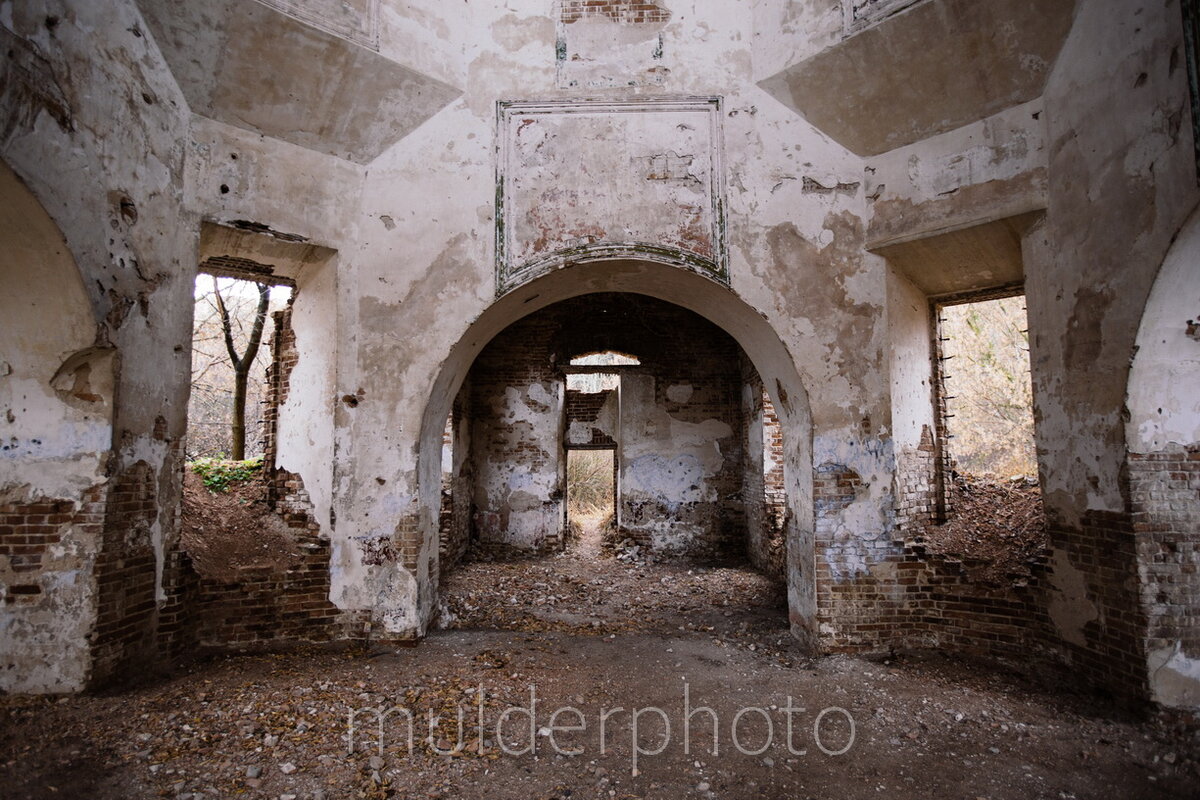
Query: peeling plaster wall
(983, 171)
(517, 423)
(1163, 437)
(98, 128)
(681, 448)
(592, 417)
(1122, 181)
(678, 427)
(518, 464)
(305, 421)
(56, 399)
(427, 244)
(286, 194)
(913, 418)
(97, 139)
(1092, 265)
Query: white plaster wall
(54, 441)
(426, 246)
(788, 31)
(428, 35)
(1002, 159)
(107, 166)
(283, 186)
(305, 428)
(669, 465)
(1164, 381)
(1164, 417)
(1121, 183)
(911, 367)
(54, 437)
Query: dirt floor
(225, 532)
(595, 634)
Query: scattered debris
(997, 528)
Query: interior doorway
(591, 496)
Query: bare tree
(242, 363)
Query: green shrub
(219, 474)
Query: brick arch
(664, 281)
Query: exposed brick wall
(763, 495)
(29, 531)
(907, 597)
(916, 483)
(1165, 499)
(176, 617)
(883, 592)
(266, 605)
(773, 485)
(916, 599)
(1102, 547)
(617, 10)
(515, 397)
(125, 573)
(674, 346)
(284, 357)
(584, 408)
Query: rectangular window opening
(231, 314)
(984, 396)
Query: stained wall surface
(678, 427)
(463, 184)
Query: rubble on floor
(276, 726)
(997, 528)
(227, 531)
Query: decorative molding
(355, 20)
(858, 15)
(648, 184)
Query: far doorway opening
(591, 495)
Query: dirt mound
(999, 523)
(226, 532)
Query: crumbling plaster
(126, 168)
(1168, 353)
(1163, 437)
(768, 150)
(118, 209)
(518, 466)
(1122, 181)
(56, 401)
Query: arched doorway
(708, 299)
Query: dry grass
(589, 483)
(988, 379)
